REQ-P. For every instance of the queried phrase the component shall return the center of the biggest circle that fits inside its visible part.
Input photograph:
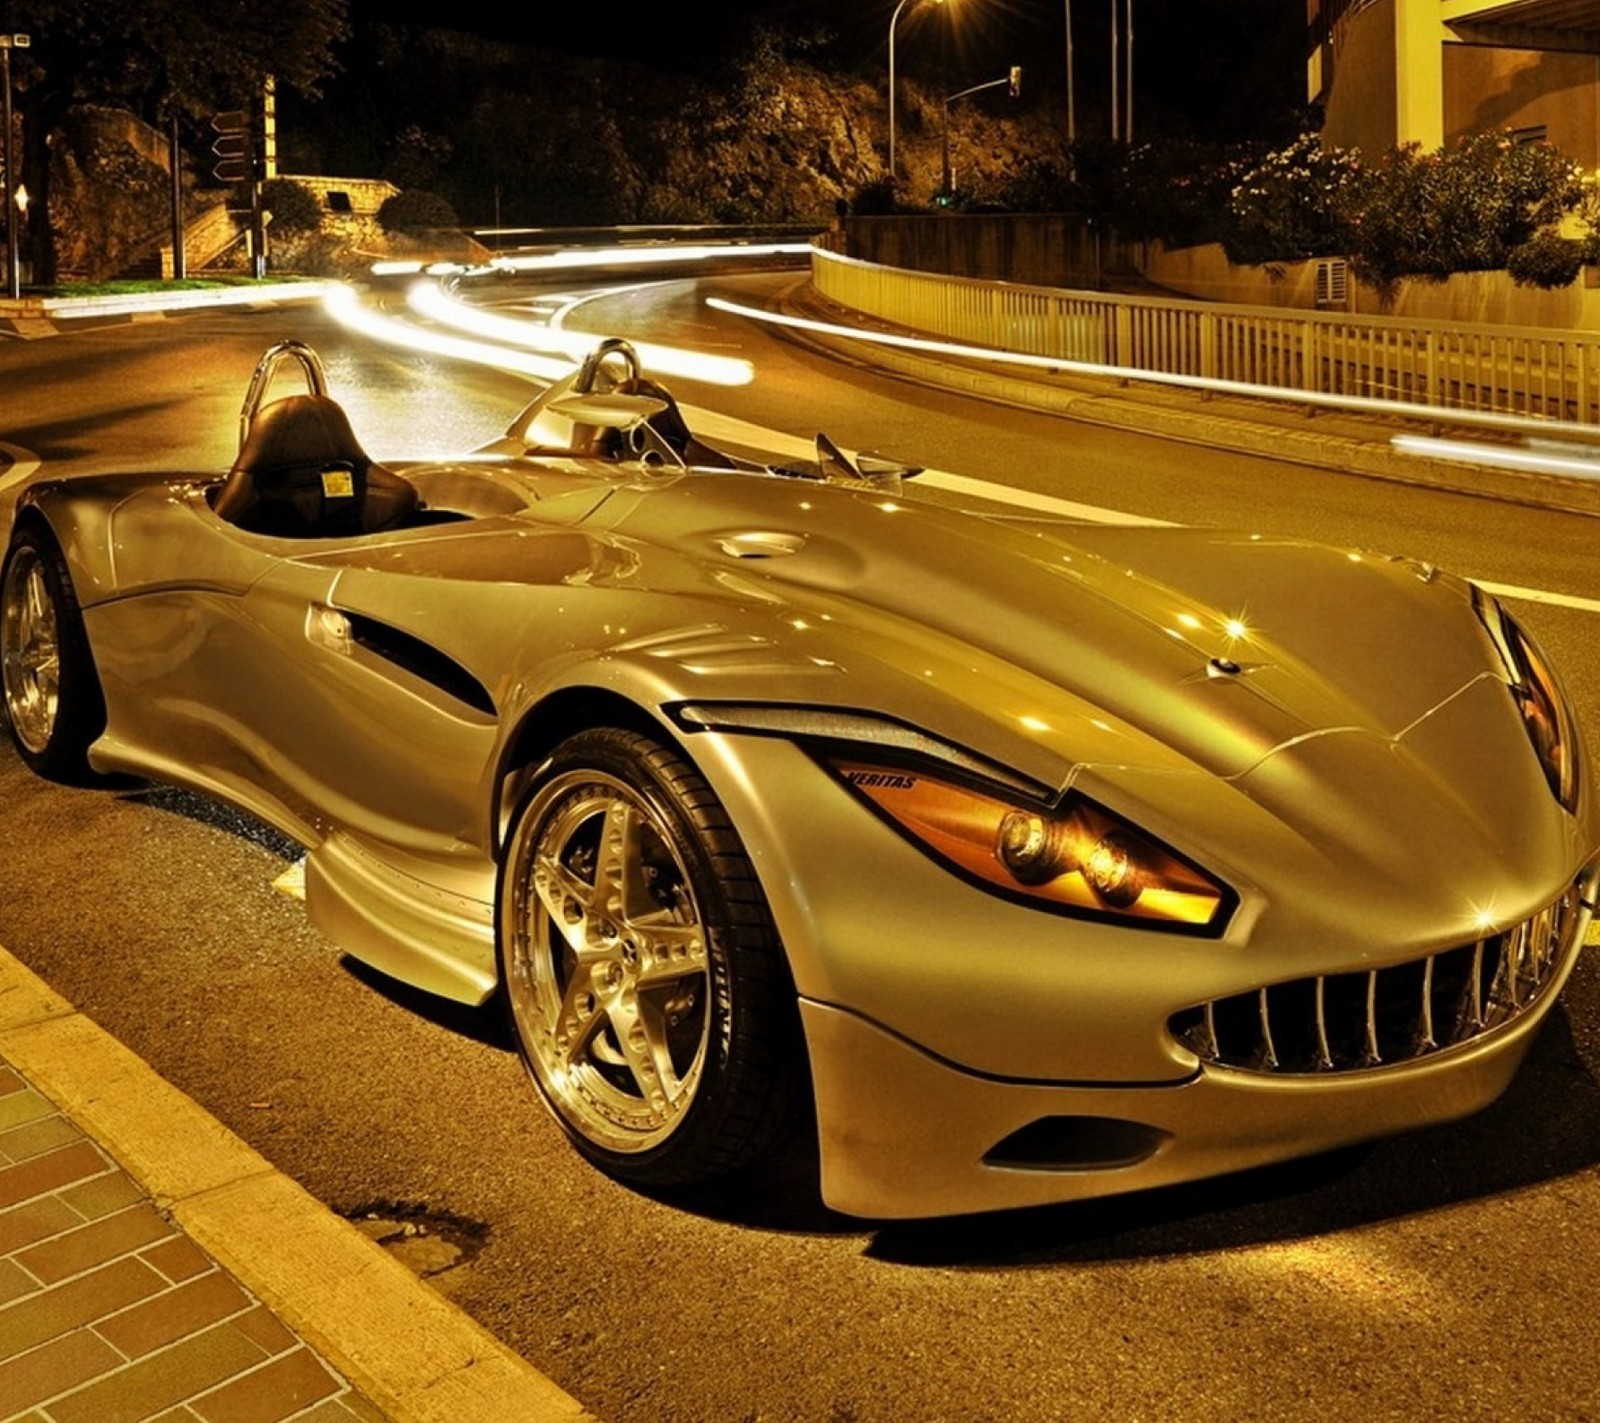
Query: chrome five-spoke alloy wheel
(640, 965)
(30, 645)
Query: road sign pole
(13, 208)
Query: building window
(337, 201)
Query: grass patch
(138, 288)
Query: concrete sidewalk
(154, 1266)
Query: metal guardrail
(642, 234)
(1517, 371)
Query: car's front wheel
(54, 706)
(643, 976)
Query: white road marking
(23, 463)
(714, 427)
(1538, 595)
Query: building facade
(1388, 72)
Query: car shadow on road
(484, 1023)
(1546, 1126)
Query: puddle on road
(434, 1245)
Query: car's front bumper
(904, 1134)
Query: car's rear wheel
(643, 975)
(54, 707)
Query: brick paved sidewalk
(109, 1313)
(154, 1268)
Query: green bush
(1461, 209)
(1546, 260)
(294, 207)
(1298, 202)
(415, 210)
(874, 199)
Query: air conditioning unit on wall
(1333, 284)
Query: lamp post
(13, 207)
(1072, 101)
(893, 20)
(1116, 98)
(1127, 126)
(1122, 108)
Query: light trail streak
(634, 256)
(1541, 457)
(344, 305)
(430, 300)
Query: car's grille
(1351, 1022)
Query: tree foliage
(294, 207)
(1465, 208)
(1299, 201)
(1469, 207)
(415, 210)
(165, 60)
(162, 56)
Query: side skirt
(431, 938)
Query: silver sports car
(1049, 860)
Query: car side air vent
(417, 658)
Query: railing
(206, 239)
(1524, 371)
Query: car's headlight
(1546, 713)
(1075, 857)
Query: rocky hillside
(531, 137)
(513, 136)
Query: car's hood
(1218, 647)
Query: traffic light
(234, 147)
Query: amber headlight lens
(1076, 857)
(1547, 718)
(1546, 713)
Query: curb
(415, 1355)
(30, 318)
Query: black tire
(643, 976)
(54, 707)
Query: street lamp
(1121, 123)
(1072, 100)
(11, 195)
(893, 20)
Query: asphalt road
(1449, 1273)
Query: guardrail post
(1122, 337)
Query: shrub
(415, 210)
(1178, 191)
(874, 199)
(1461, 209)
(294, 207)
(1298, 202)
(1546, 260)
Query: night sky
(1208, 68)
